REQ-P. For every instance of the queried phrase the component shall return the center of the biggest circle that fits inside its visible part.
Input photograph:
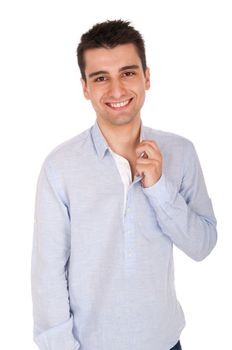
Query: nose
(116, 89)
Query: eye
(99, 79)
(128, 74)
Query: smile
(120, 105)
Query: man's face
(115, 83)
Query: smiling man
(110, 204)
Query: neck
(122, 139)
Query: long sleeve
(53, 320)
(185, 213)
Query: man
(110, 204)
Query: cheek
(93, 95)
(141, 92)
(96, 94)
(138, 86)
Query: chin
(122, 120)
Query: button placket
(129, 237)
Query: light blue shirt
(102, 278)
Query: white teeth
(120, 104)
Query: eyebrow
(93, 74)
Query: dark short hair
(109, 34)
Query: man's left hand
(149, 162)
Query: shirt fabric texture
(102, 258)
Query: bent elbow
(207, 246)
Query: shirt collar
(100, 142)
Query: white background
(189, 52)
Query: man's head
(109, 34)
(111, 57)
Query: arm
(51, 249)
(185, 215)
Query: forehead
(107, 59)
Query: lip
(119, 108)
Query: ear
(85, 89)
(147, 79)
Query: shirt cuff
(160, 193)
(59, 337)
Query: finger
(151, 142)
(147, 162)
(143, 155)
(148, 143)
(147, 150)
(143, 149)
